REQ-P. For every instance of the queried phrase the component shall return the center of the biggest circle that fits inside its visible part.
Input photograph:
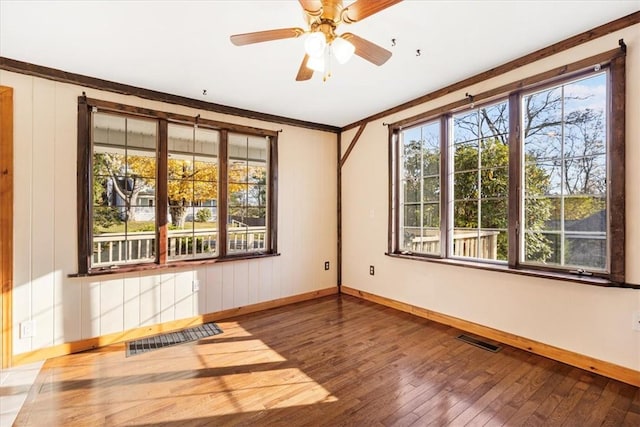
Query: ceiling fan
(322, 42)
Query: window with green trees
(420, 197)
(527, 180)
(480, 169)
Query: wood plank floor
(337, 360)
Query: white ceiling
(183, 47)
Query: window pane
(124, 165)
(494, 182)
(543, 213)
(543, 178)
(465, 185)
(247, 193)
(411, 191)
(586, 251)
(420, 204)
(566, 175)
(465, 214)
(494, 122)
(431, 216)
(480, 183)
(465, 127)
(465, 156)
(586, 175)
(545, 144)
(431, 189)
(192, 190)
(412, 215)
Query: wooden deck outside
(333, 361)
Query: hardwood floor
(337, 360)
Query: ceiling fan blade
(304, 73)
(312, 7)
(265, 36)
(364, 8)
(368, 50)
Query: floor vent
(172, 338)
(479, 343)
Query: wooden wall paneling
(131, 301)
(149, 307)
(200, 296)
(167, 296)
(22, 200)
(183, 294)
(228, 291)
(111, 305)
(6, 225)
(91, 308)
(240, 283)
(67, 301)
(276, 284)
(42, 222)
(265, 291)
(214, 287)
(254, 280)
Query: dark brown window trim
(547, 78)
(119, 108)
(129, 268)
(566, 44)
(615, 61)
(503, 268)
(48, 73)
(84, 200)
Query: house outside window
(163, 190)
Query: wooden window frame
(84, 179)
(615, 276)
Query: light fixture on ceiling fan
(322, 42)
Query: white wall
(45, 249)
(589, 320)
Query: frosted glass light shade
(316, 63)
(342, 50)
(315, 44)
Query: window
(480, 165)
(124, 181)
(420, 197)
(192, 178)
(565, 174)
(247, 196)
(526, 182)
(166, 188)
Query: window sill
(128, 268)
(555, 275)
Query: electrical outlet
(326, 265)
(195, 285)
(372, 270)
(27, 329)
(636, 321)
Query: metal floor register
(172, 338)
